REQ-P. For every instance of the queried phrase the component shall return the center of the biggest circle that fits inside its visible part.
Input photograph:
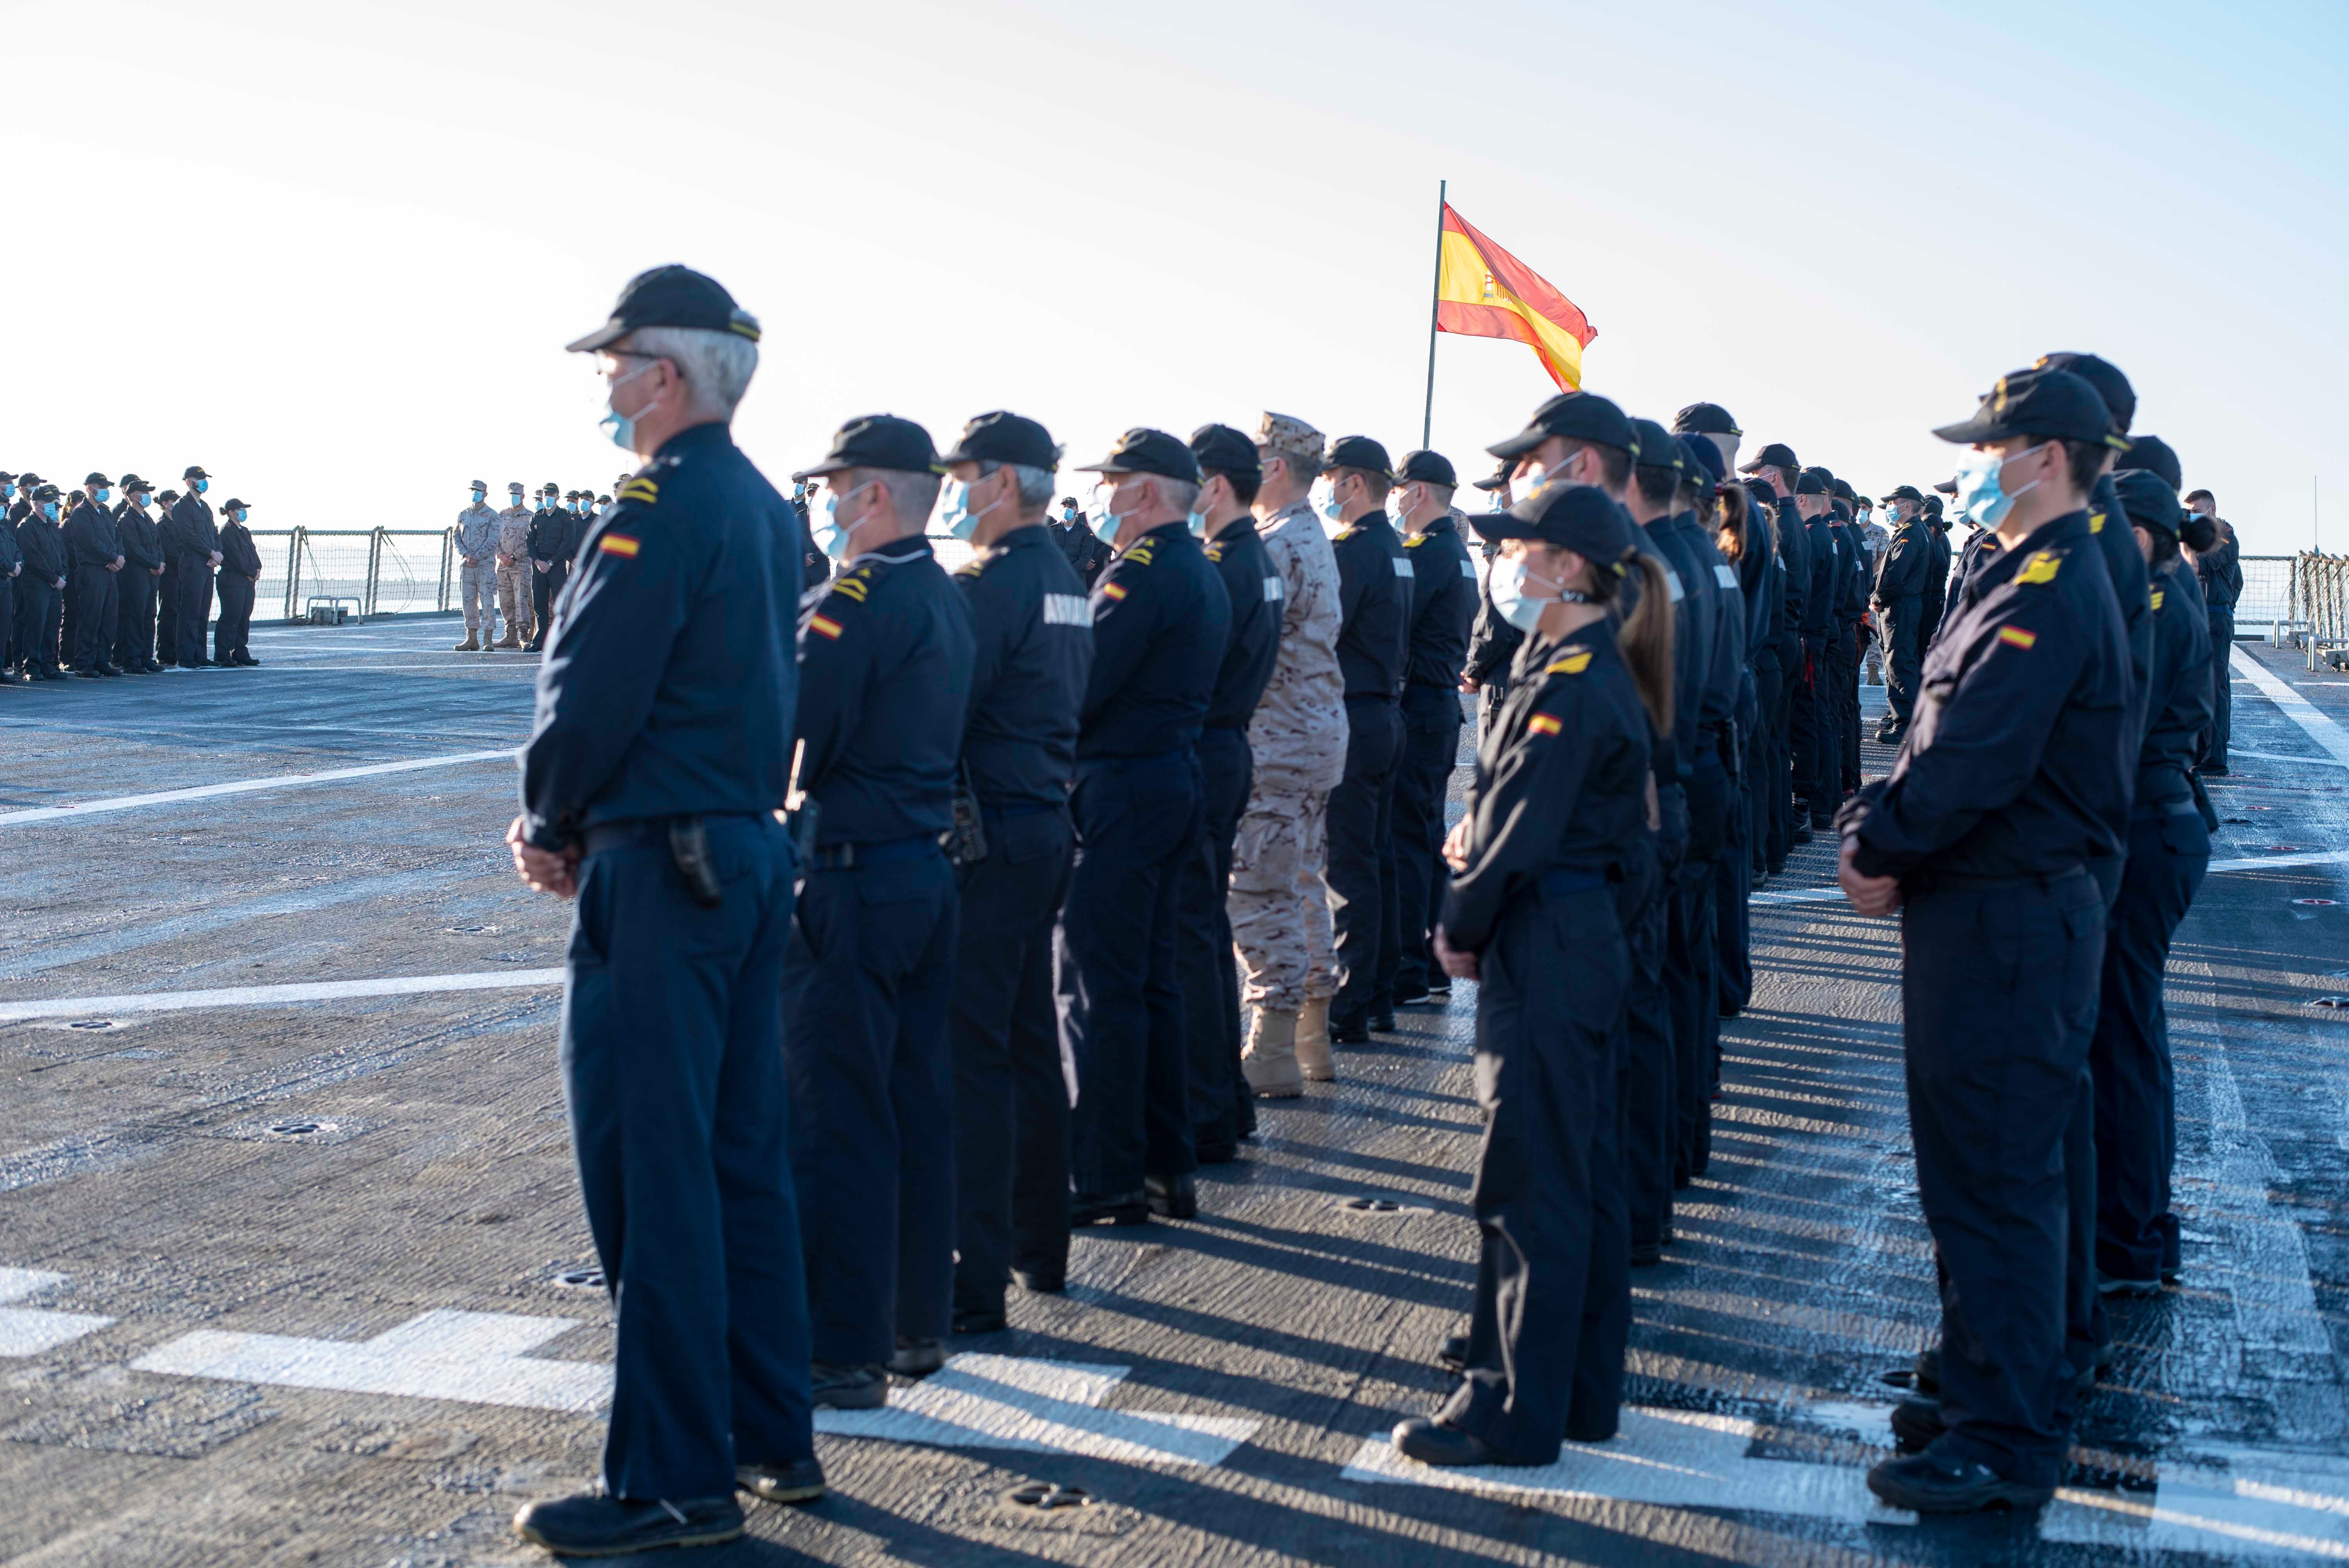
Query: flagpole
(1427, 415)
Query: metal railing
(2267, 590)
(2316, 610)
(388, 571)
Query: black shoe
(1823, 824)
(786, 1481)
(1799, 833)
(110, 670)
(1382, 1023)
(2170, 1272)
(1646, 1258)
(168, 663)
(203, 664)
(837, 1386)
(917, 1358)
(595, 1525)
(248, 661)
(1925, 1374)
(1923, 1483)
(1218, 1154)
(2212, 770)
(1433, 1443)
(979, 1320)
(1452, 1354)
(1413, 996)
(534, 647)
(1916, 1425)
(1440, 990)
(87, 675)
(1041, 1281)
(1357, 1033)
(1113, 1209)
(1173, 1197)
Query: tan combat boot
(471, 645)
(1313, 1042)
(509, 640)
(1270, 1059)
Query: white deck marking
(2296, 708)
(278, 995)
(30, 1330)
(473, 1357)
(1037, 1406)
(67, 813)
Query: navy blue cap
(1358, 452)
(2148, 500)
(1578, 416)
(1004, 438)
(672, 295)
(2049, 404)
(1811, 481)
(1423, 467)
(1580, 518)
(1700, 460)
(1776, 454)
(2152, 454)
(1705, 420)
(1653, 446)
(1903, 492)
(1142, 451)
(878, 441)
(1225, 449)
(2120, 398)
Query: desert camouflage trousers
(1279, 906)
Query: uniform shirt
(1560, 783)
(1696, 620)
(1374, 604)
(2180, 706)
(1823, 596)
(1792, 537)
(192, 532)
(1299, 727)
(669, 686)
(1724, 668)
(238, 554)
(1160, 619)
(886, 652)
(550, 534)
(1032, 651)
(2220, 570)
(2016, 764)
(43, 547)
(1758, 573)
(513, 532)
(143, 548)
(1444, 597)
(1493, 642)
(1980, 545)
(89, 536)
(1852, 573)
(12, 559)
(1904, 565)
(1937, 580)
(1255, 591)
(2124, 564)
(1873, 537)
(477, 533)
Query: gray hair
(1177, 495)
(913, 495)
(1035, 484)
(716, 365)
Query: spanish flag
(1481, 291)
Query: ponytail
(1647, 637)
(1729, 537)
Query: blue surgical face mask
(49, 510)
(202, 485)
(102, 495)
(1110, 516)
(480, 496)
(956, 514)
(1326, 503)
(826, 532)
(1983, 498)
(1198, 524)
(622, 427)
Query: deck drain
(2330, 1002)
(1044, 1496)
(587, 1278)
(296, 1129)
(470, 929)
(1370, 1205)
(94, 1025)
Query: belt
(1025, 809)
(1173, 754)
(649, 830)
(1568, 881)
(877, 851)
(2048, 881)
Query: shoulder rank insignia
(1342, 535)
(1214, 553)
(2016, 637)
(1543, 723)
(2040, 567)
(639, 489)
(854, 586)
(619, 544)
(824, 624)
(2095, 522)
(1140, 553)
(1112, 591)
(971, 568)
(2156, 597)
(1572, 662)
(1414, 541)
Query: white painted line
(1037, 1406)
(278, 995)
(2252, 863)
(2236, 751)
(1797, 896)
(31, 1330)
(243, 787)
(2296, 708)
(473, 1357)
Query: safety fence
(379, 571)
(2267, 596)
(2316, 618)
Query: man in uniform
(196, 545)
(42, 549)
(1297, 745)
(2219, 570)
(1222, 1112)
(1161, 621)
(660, 749)
(11, 571)
(1374, 640)
(1981, 836)
(1850, 629)
(550, 561)
(884, 683)
(1080, 547)
(1033, 635)
(1937, 574)
(91, 544)
(1774, 476)
(477, 548)
(512, 550)
(142, 552)
(1493, 644)
(240, 577)
(1897, 602)
(167, 583)
(1819, 768)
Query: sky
(332, 252)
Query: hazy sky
(333, 251)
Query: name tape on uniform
(1468, 568)
(1724, 576)
(1272, 591)
(1401, 566)
(1069, 609)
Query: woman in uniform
(1558, 813)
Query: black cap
(1904, 492)
(670, 296)
(549, 489)
(1762, 490)
(169, 495)
(570, 495)
(1423, 467)
(2152, 454)
(1578, 416)
(1932, 506)
(28, 478)
(193, 472)
(1705, 420)
(1579, 518)
(1358, 452)
(1841, 489)
(1701, 461)
(6, 478)
(1653, 446)
(95, 478)
(878, 441)
(1500, 476)
(2049, 404)
(2150, 501)
(1067, 500)
(1142, 451)
(1947, 487)
(1225, 449)
(46, 492)
(2120, 398)
(1776, 454)
(1810, 482)
(233, 504)
(1003, 437)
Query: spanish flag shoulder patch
(639, 489)
(619, 544)
(1543, 723)
(2041, 568)
(1572, 662)
(825, 624)
(2016, 637)
(1112, 591)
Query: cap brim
(1518, 445)
(1975, 430)
(1487, 484)
(602, 336)
(817, 472)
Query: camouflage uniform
(1280, 907)
(514, 572)
(477, 545)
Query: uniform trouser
(1114, 966)
(2222, 688)
(235, 624)
(1690, 982)
(167, 613)
(134, 624)
(2136, 1120)
(68, 610)
(1761, 747)
(1553, 1282)
(1361, 817)
(1211, 984)
(1648, 1117)
(1279, 906)
(195, 606)
(1812, 748)
(1732, 881)
(1781, 768)
(1903, 664)
(868, 981)
(1846, 688)
(1011, 1101)
(1999, 995)
(95, 611)
(544, 586)
(475, 586)
(514, 599)
(673, 1072)
(36, 624)
(1431, 749)
(8, 619)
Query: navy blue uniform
(91, 548)
(1444, 602)
(1790, 541)
(1558, 798)
(1901, 578)
(550, 541)
(142, 552)
(1086, 551)
(1033, 652)
(1374, 594)
(1817, 770)
(667, 695)
(1492, 645)
(1222, 1111)
(1160, 619)
(886, 655)
(2014, 770)
(2219, 571)
(1845, 647)
(239, 575)
(43, 547)
(12, 575)
(1936, 585)
(194, 541)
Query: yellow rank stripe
(619, 544)
(1139, 554)
(640, 489)
(826, 625)
(1112, 591)
(2016, 637)
(2040, 567)
(1572, 663)
(2157, 598)
(1543, 723)
(852, 588)
(2095, 522)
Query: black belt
(2047, 881)
(1173, 754)
(873, 852)
(1367, 696)
(649, 830)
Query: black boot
(592, 1524)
